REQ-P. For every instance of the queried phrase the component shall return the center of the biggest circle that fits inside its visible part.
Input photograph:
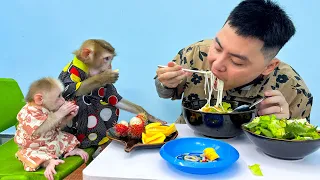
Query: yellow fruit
(152, 125)
(171, 129)
(154, 128)
(210, 153)
(143, 138)
(158, 140)
(153, 139)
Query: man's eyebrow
(232, 54)
(217, 40)
(245, 58)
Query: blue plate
(228, 155)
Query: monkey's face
(53, 100)
(102, 62)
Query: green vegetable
(255, 169)
(224, 108)
(270, 126)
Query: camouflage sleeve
(162, 91)
(296, 94)
(301, 107)
(299, 99)
(183, 58)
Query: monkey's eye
(106, 59)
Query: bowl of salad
(216, 121)
(291, 139)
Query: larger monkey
(89, 81)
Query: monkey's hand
(58, 118)
(68, 118)
(106, 77)
(136, 109)
(154, 119)
(109, 77)
(72, 114)
(66, 109)
(50, 171)
(84, 155)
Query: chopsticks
(189, 70)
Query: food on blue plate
(208, 155)
(293, 129)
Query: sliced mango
(210, 153)
(152, 125)
(158, 128)
(153, 139)
(171, 129)
(158, 140)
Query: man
(243, 56)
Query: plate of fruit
(139, 133)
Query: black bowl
(215, 125)
(281, 148)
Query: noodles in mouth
(212, 83)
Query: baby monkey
(41, 142)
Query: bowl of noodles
(213, 121)
(212, 117)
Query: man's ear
(271, 66)
(38, 99)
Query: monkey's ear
(85, 52)
(38, 99)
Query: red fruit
(121, 130)
(136, 130)
(143, 117)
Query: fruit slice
(210, 153)
(171, 129)
(152, 125)
(157, 129)
(153, 139)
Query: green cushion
(11, 168)
(11, 101)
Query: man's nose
(220, 63)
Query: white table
(115, 163)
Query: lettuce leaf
(270, 126)
(255, 169)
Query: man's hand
(172, 75)
(275, 103)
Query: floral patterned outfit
(36, 149)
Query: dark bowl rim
(242, 112)
(277, 139)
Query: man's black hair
(264, 20)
